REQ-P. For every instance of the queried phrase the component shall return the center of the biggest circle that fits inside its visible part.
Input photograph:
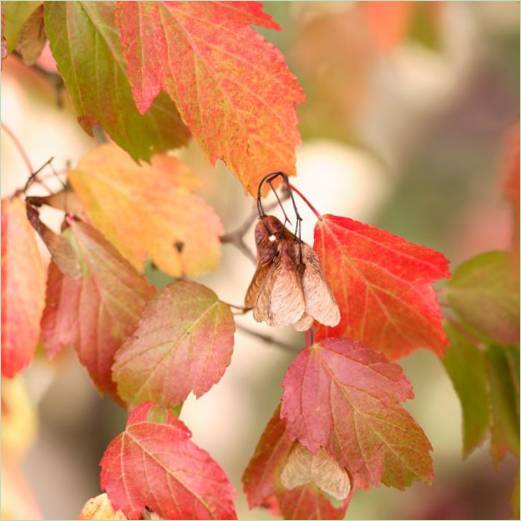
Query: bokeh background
(408, 106)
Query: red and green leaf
(97, 310)
(155, 465)
(23, 288)
(149, 211)
(346, 398)
(85, 44)
(183, 344)
(232, 88)
(383, 287)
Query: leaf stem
(268, 339)
(305, 199)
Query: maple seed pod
(288, 287)
(303, 467)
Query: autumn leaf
(155, 465)
(484, 292)
(85, 44)
(264, 487)
(183, 343)
(382, 285)
(23, 288)
(503, 376)
(15, 15)
(149, 212)
(346, 398)
(232, 88)
(97, 310)
(465, 364)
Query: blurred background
(408, 106)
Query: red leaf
(263, 487)
(98, 309)
(23, 288)
(382, 285)
(232, 88)
(183, 343)
(155, 465)
(346, 398)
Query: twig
(268, 339)
(236, 237)
(19, 147)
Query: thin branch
(236, 237)
(19, 147)
(268, 339)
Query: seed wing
(320, 303)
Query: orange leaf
(23, 288)
(232, 88)
(149, 212)
(382, 285)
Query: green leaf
(503, 375)
(15, 15)
(465, 365)
(484, 292)
(85, 43)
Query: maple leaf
(346, 398)
(263, 485)
(155, 465)
(466, 367)
(15, 16)
(85, 44)
(382, 285)
(232, 88)
(183, 343)
(23, 288)
(95, 311)
(149, 212)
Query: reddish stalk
(305, 199)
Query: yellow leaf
(149, 211)
(100, 507)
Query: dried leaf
(232, 88)
(148, 212)
(382, 284)
(264, 484)
(23, 288)
(346, 398)
(100, 507)
(288, 287)
(155, 465)
(183, 343)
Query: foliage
(152, 75)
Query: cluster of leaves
(151, 75)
